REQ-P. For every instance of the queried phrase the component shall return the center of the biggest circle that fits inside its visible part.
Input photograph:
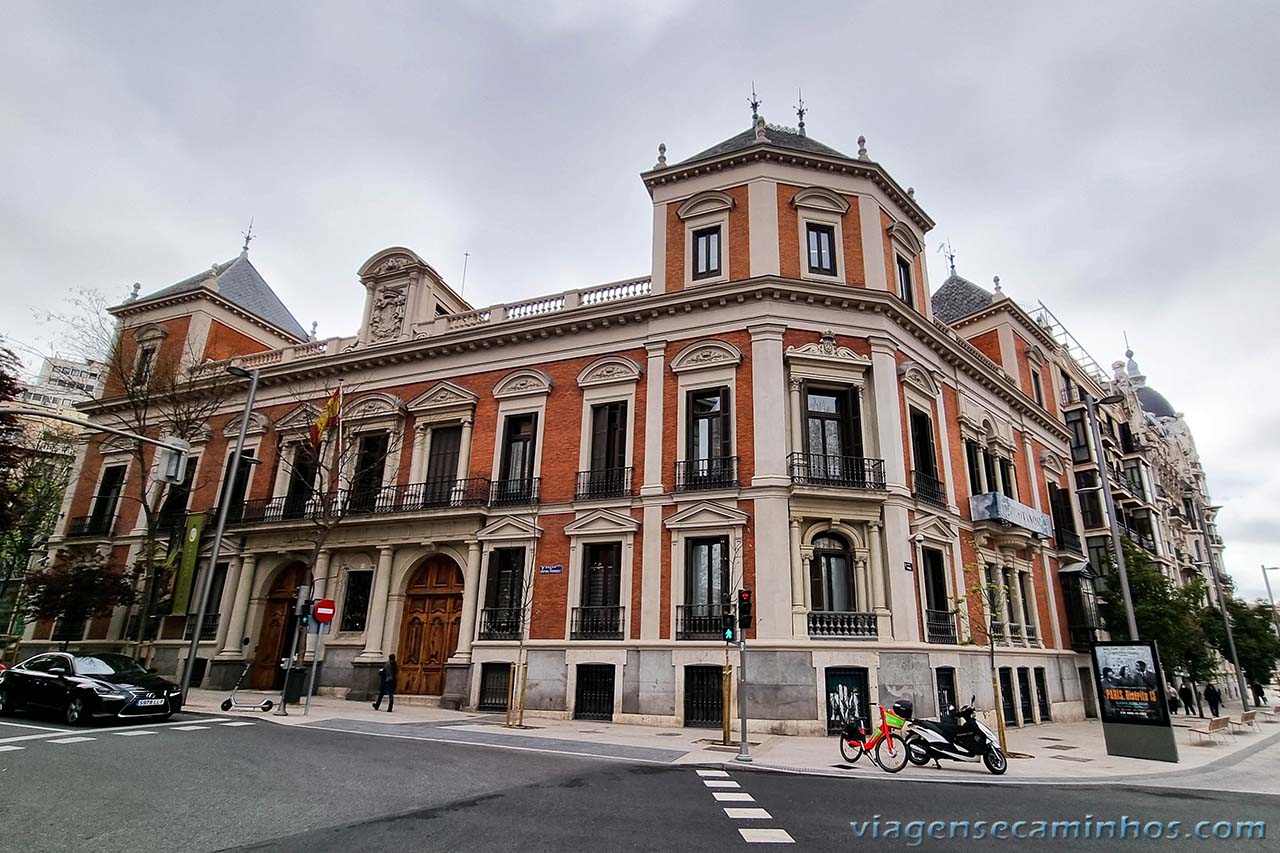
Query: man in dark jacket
(387, 684)
(1187, 696)
(1214, 698)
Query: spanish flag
(327, 419)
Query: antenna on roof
(800, 111)
(466, 256)
(248, 237)
(1128, 350)
(950, 254)
(754, 102)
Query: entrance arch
(429, 627)
(278, 624)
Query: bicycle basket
(893, 720)
(854, 728)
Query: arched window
(831, 576)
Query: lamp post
(1231, 640)
(1275, 617)
(207, 581)
(1109, 502)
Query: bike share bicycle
(886, 747)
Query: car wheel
(7, 705)
(75, 711)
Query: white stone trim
(706, 354)
(526, 382)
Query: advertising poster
(1129, 686)
(187, 563)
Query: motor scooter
(968, 740)
(230, 702)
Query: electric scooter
(969, 740)
(230, 702)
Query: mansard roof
(782, 137)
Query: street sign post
(323, 610)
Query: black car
(85, 687)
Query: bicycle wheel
(850, 752)
(891, 753)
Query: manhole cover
(1071, 758)
(1063, 746)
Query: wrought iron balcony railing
(700, 622)
(1033, 636)
(839, 472)
(603, 483)
(698, 474)
(515, 492)
(1068, 540)
(500, 623)
(824, 624)
(928, 488)
(412, 497)
(84, 526)
(596, 623)
(940, 626)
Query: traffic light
(304, 612)
(171, 460)
(727, 624)
(744, 608)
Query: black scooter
(968, 740)
(230, 702)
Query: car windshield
(107, 664)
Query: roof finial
(800, 111)
(133, 294)
(996, 279)
(754, 102)
(760, 134)
(315, 324)
(662, 156)
(862, 148)
(248, 237)
(1128, 350)
(950, 255)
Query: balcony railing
(1068, 540)
(413, 497)
(826, 624)
(928, 488)
(596, 623)
(517, 492)
(1015, 633)
(997, 631)
(839, 472)
(697, 474)
(208, 628)
(940, 626)
(88, 525)
(700, 622)
(1033, 636)
(603, 483)
(500, 623)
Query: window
(601, 574)
(366, 480)
(355, 606)
(1090, 499)
(213, 604)
(833, 433)
(1079, 436)
(707, 572)
(935, 581)
(922, 443)
(822, 257)
(609, 436)
(1008, 479)
(234, 493)
(1064, 522)
(709, 436)
(1099, 554)
(174, 508)
(442, 464)
(505, 582)
(145, 364)
(108, 498)
(973, 460)
(1127, 444)
(905, 291)
(1036, 387)
(518, 447)
(302, 479)
(706, 253)
(830, 578)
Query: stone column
(768, 402)
(877, 570)
(797, 417)
(464, 448)
(1013, 595)
(799, 620)
(651, 613)
(227, 604)
(321, 583)
(983, 485)
(232, 647)
(420, 439)
(378, 604)
(888, 420)
(470, 603)
(860, 581)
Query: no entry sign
(323, 610)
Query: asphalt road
(200, 784)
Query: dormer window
(905, 291)
(706, 253)
(822, 256)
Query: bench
(1247, 718)
(1217, 726)
(1272, 714)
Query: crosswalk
(61, 737)
(730, 793)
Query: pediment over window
(509, 528)
(300, 418)
(116, 444)
(522, 383)
(610, 370)
(705, 354)
(1051, 463)
(258, 424)
(150, 333)
(707, 515)
(394, 262)
(905, 238)
(371, 406)
(826, 353)
(819, 198)
(443, 395)
(915, 375)
(1035, 355)
(601, 521)
(711, 201)
(934, 528)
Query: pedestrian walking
(387, 684)
(1214, 697)
(1259, 697)
(1187, 696)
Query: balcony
(518, 492)
(413, 497)
(1015, 633)
(994, 506)
(928, 488)
(832, 625)
(700, 474)
(836, 472)
(603, 483)
(208, 628)
(940, 627)
(700, 622)
(85, 526)
(500, 623)
(1033, 635)
(996, 629)
(1068, 540)
(596, 623)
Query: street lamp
(207, 581)
(1275, 617)
(1231, 640)
(1109, 502)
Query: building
(62, 383)
(588, 476)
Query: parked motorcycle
(967, 740)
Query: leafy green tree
(80, 583)
(1253, 630)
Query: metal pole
(282, 711)
(207, 581)
(1116, 544)
(315, 659)
(1231, 641)
(1275, 617)
(995, 686)
(744, 750)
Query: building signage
(187, 564)
(994, 506)
(550, 570)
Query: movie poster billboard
(1129, 687)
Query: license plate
(149, 702)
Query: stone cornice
(142, 306)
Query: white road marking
(733, 797)
(713, 774)
(766, 836)
(189, 728)
(720, 783)
(748, 814)
(53, 732)
(26, 726)
(11, 748)
(232, 725)
(134, 733)
(71, 739)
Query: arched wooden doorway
(278, 622)
(429, 629)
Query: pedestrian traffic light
(744, 608)
(304, 612)
(728, 626)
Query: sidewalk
(1059, 753)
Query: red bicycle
(887, 748)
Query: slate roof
(778, 136)
(958, 297)
(240, 283)
(1153, 402)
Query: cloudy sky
(1114, 160)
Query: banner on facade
(1132, 701)
(187, 564)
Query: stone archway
(429, 627)
(278, 624)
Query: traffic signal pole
(744, 620)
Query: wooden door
(430, 626)
(273, 638)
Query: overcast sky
(1116, 161)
